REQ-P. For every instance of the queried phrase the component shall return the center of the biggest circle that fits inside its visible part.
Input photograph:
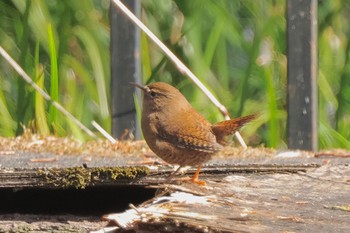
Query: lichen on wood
(80, 177)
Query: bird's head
(160, 95)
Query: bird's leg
(194, 179)
(196, 175)
(173, 173)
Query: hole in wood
(84, 202)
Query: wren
(177, 133)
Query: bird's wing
(194, 133)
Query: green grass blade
(40, 114)
(213, 41)
(138, 110)
(273, 111)
(39, 102)
(95, 61)
(23, 115)
(329, 137)
(54, 75)
(145, 58)
(7, 124)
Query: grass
(53, 75)
(40, 115)
(237, 48)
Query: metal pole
(302, 74)
(125, 68)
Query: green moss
(80, 178)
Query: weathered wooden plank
(315, 201)
(302, 74)
(24, 169)
(22, 223)
(277, 194)
(80, 177)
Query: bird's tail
(229, 127)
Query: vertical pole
(302, 74)
(125, 68)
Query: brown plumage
(176, 132)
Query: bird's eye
(153, 94)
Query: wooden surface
(30, 223)
(80, 177)
(312, 201)
(247, 191)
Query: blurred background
(237, 48)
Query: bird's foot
(196, 181)
(193, 180)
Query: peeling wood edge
(230, 169)
(81, 177)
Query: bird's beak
(143, 88)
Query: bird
(177, 133)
